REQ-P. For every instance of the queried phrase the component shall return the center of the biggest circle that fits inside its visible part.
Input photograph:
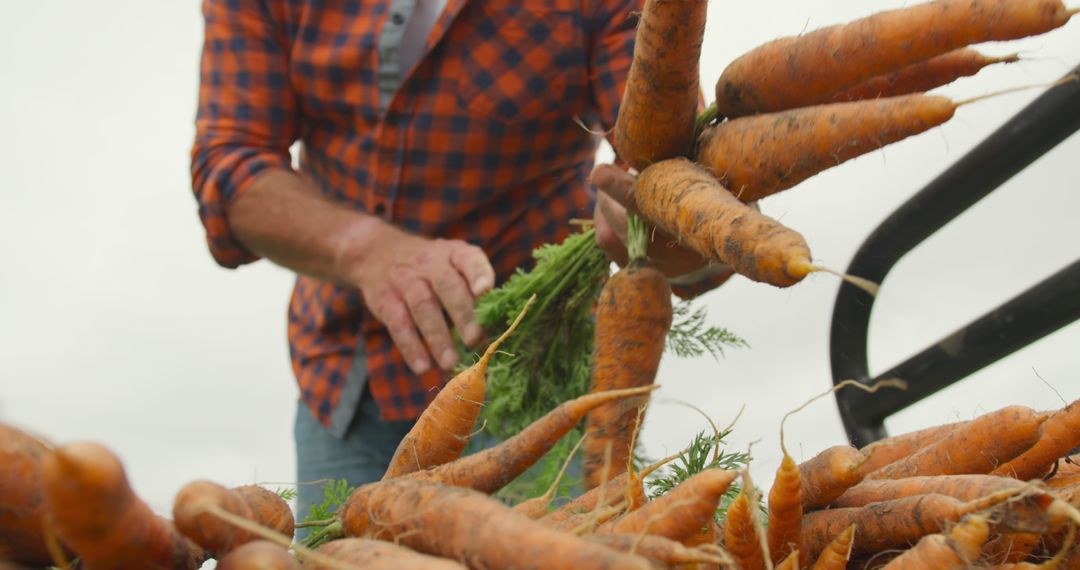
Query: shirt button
(397, 18)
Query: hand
(407, 282)
(615, 197)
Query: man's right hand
(409, 283)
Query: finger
(614, 215)
(473, 264)
(608, 240)
(615, 182)
(454, 295)
(395, 316)
(427, 314)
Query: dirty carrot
(659, 104)
(740, 535)
(799, 71)
(680, 513)
(758, 156)
(1060, 435)
(1010, 547)
(379, 555)
(442, 431)
(259, 555)
(965, 487)
(633, 316)
(461, 524)
(837, 552)
(924, 75)
(660, 549)
(885, 451)
(23, 513)
(957, 549)
(688, 202)
(192, 518)
(268, 509)
(976, 447)
(829, 474)
(489, 470)
(94, 510)
(790, 562)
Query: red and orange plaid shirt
(480, 142)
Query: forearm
(283, 218)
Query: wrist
(359, 240)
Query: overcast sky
(115, 325)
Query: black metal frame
(1037, 312)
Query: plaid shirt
(478, 143)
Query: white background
(115, 325)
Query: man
(440, 143)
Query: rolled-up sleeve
(246, 119)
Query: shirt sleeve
(612, 24)
(246, 118)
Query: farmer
(440, 142)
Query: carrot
(758, 156)
(836, 554)
(191, 517)
(378, 555)
(659, 104)
(889, 524)
(1010, 547)
(924, 75)
(808, 69)
(829, 474)
(537, 507)
(958, 549)
(657, 548)
(976, 447)
(785, 511)
(268, 509)
(464, 525)
(740, 535)
(442, 431)
(682, 512)
(259, 555)
(93, 509)
(633, 316)
(1068, 466)
(885, 451)
(489, 470)
(688, 202)
(790, 562)
(964, 487)
(1060, 434)
(1063, 481)
(22, 513)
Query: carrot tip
(1072, 12)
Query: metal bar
(1039, 311)
(1029, 134)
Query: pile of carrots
(998, 491)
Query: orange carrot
(924, 75)
(192, 518)
(889, 524)
(489, 470)
(758, 156)
(686, 201)
(259, 555)
(1063, 481)
(659, 104)
(461, 524)
(837, 552)
(785, 511)
(93, 510)
(808, 69)
(662, 550)
(885, 451)
(378, 555)
(268, 509)
(680, 513)
(964, 487)
(1010, 547)
(442, 431)
(791, 562)
(22, 512)
(537, 507)
(828, 474)
(957, 549)
(1013, 429)
(633, 316)
(1068, 466)
(740, 535)
(1060, 434)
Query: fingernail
(420, 366)
(449, 359)
(481, 285)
